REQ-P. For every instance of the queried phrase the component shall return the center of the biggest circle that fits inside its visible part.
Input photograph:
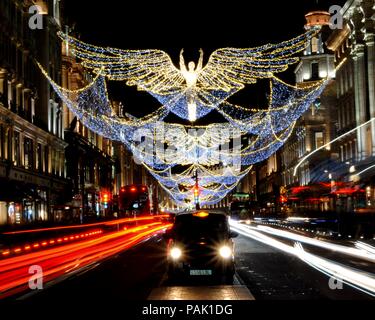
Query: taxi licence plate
(201, 272)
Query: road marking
(224, 292)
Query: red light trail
(70, 257)
(107, 223)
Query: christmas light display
(221, 154)
(201, 88)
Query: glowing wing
(231, 68)
(149, 70)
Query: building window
(315, 70)
(39, 158)
(53, 161)
(344, 115)
(46, 159)
(2, 142)
(319, 139)
(315, 45)
(58, 120)
(28, 153)
(17, 150)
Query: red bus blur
(134, 200)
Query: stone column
(3, 84)
(65, 84)
(360, 97)
(370, 42)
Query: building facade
(354, 53)
(32, 155)
(274, 181)
(339, 175)
(90, 160)
(306, 189)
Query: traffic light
(196, 192)
(105, 199)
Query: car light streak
(42, 244)
(5, 253)
(107, 223)
(355, 278)
(331, 142)
(64, 259)
(359, 252)
(365, 246)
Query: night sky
(191, 25)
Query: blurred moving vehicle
(134, 200)
(241, 207)
(200, 244)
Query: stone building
(354, 54)
(90, 158)
(32, 169)
(316, 128)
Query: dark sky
(188, 24)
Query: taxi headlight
(225, 252)
(176, 253)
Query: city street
(268, 273)
(187, 160)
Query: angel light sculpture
(191, 92)
(203, 88)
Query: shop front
(22, 203)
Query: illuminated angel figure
(227, 71)
(191, 75)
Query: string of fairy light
(174, 153)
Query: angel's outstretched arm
(200, 62)
(182, 62)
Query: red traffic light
(105, 197)
(196, 191)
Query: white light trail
(365, 170)
(359, 252)
(365, 246)
(329, 143)
(355, 278)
